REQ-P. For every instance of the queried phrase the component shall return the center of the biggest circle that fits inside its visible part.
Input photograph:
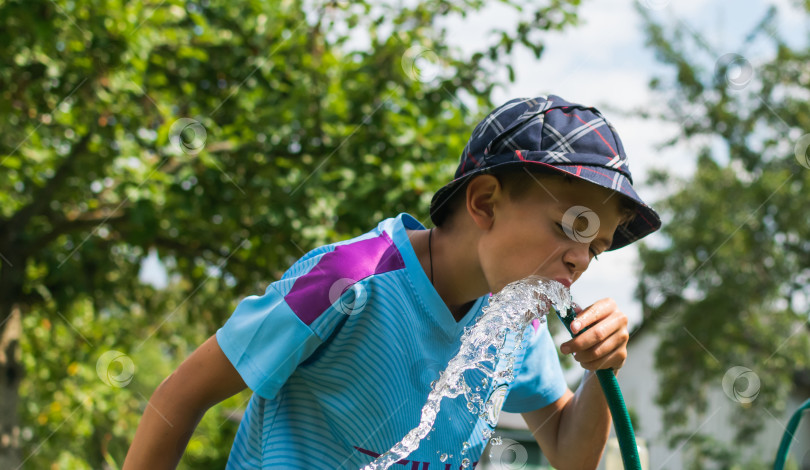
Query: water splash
(512, 309)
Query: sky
(603, 62)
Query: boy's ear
(483, 192)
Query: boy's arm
(573, 430)
(204, 379)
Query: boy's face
(553, 231)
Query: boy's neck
(457, 277)
(461, 311)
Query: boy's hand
(604, 345)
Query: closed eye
(592, 251)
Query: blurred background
(161, 160)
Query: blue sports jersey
(340, 354)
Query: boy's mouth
(563, 281)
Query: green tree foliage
(730, 287)
(230, 136)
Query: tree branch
(43, 197)
(196, 249)
(68, 226)
(191, 250)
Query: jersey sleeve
(268, 336)
(540, 381)
(265, 341)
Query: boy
(340, 353)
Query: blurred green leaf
(733, 277)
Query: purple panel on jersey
(346, 264)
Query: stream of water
(513, 309)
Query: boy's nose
(577, 258)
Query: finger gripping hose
(618, 410)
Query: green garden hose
(624, 428)
(784, 446)
(613, 395)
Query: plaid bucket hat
(551, 134)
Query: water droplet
(496, 441)
(465, 463)
(443, 457)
